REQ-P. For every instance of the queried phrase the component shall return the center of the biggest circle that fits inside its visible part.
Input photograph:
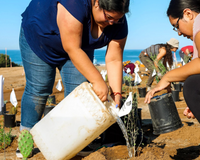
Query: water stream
(123, 128)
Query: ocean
(15, 56)
(99, 56)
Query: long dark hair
(176, 7)
(168, 57)
(121, 6)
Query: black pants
(191, 92)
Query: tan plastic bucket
(73, 124)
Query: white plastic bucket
(73, 124)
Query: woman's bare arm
(71, 36)
(114, 58)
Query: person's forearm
(84, 65)
(114, 58)
(115, 75)
(182, 73)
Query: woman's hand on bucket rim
(160, 86)
(149, 95)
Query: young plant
(5, 138)
(49, 101)
(131, 124)
(160, 67)
(127, 79)
(13, 110)
(25, 143)
(124, 89)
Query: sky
(147, 22)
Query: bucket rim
(160, 97)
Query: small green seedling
(49, 100)
(25, 143)
(160, 66)
(127, 78)
(13, 110)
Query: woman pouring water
(184, 15)
(63, 34)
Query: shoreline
(11, 81)
(99, 56)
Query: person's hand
(101, 90)
(169, 90)
(150, 94)
(133, 74)
(160, 86)
(117, 99)
(187, 112)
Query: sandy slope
(180, 144)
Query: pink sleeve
(196, 29)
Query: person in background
(186, 53)
(137, 63)
(64, 35)
(129, 67)
(184, 16)
(161, 52)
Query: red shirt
(131, 66)
(190, 48)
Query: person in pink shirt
(184, 16)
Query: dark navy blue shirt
(42, 33)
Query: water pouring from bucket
(125, 109)
(74, 123)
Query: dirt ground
(181, 144)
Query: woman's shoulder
(80, 10)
